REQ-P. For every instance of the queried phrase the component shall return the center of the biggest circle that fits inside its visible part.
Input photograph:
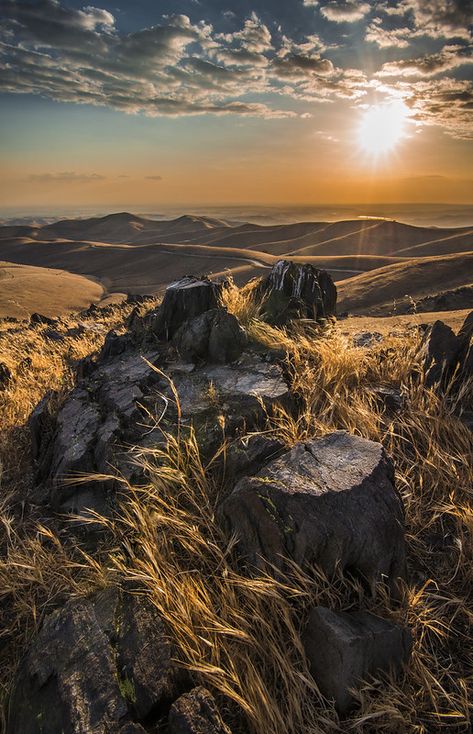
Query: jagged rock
(6, 375)
(466, 330)
(95, 664)
(345, 648)
(296, 291)
(215, 336)
(183, 300)
(196, 713)
(441, 349)
(330, 502)
(116, 344)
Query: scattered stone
(390, 399)
(53, 336)
(196, 713)
(367, 339)
(215, 336)
(95, 665)
(344, 649)
(329, 502)
(296, 291)
(39, 318)
(6, 375)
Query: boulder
(96, 664)
(196, 713)
(441, 350)
(329, 502)
(345, 648)
(183, 300)
(215, 336)
(296, 291)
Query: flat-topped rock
(329, 502)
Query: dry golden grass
(240, 636)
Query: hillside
(397, 286)
(25, 289)
(127, 253)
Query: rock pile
(105, 663)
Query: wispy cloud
(65, 177)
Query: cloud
(447, 103)
(387, 38)
(450, 57)
(154, 178)
(435, 18)
(65, 177)
(345, 12)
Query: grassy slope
(25, 289)
(240, 636)
(377, 291)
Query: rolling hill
(128, 253)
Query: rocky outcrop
(329, 502)
(96, 664)
(344, 649)
(196, 713)
(296, 291)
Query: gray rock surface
(116, 404)
(95, 665)
(329, 502)
(196, 713)
(296, 291)
(345, 648)
(215, 337)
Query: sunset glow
(382, 128)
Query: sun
(382, 128)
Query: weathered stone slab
(215, 337)
(329, 502)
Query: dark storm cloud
(266, 58)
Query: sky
(271, 102)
